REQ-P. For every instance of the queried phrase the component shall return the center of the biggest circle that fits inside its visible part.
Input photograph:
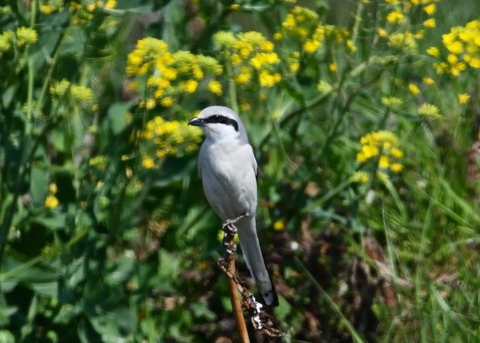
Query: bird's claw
(228, 223)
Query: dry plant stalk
(260, 319)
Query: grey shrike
(228, 170)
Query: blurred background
(364, 117)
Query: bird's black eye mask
(219, 119)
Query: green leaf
(116, 116)
(6, 337)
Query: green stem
(232, 90)
(49, 73)
(358, 19)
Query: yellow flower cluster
(168, 138)
(400, 14)
(395, 17)
(300, 22)
(81, 12)
(383, 146)
(302, 25)
(429, 110)
(359, 177)
(99, 162)
(65, 91)
(171, 74)
(404, 42)
(250, 54)
(463, 45)
(25, 36)
(392, 102)
(6, 40)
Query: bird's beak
(196, 122)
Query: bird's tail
(247, 234)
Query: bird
(228, 170)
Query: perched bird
(228, 170)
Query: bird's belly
(228, 198)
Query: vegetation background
(364, 117)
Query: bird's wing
(253, 161)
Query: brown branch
(260, 319)
(229, 262)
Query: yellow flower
(473, 62)
(91, 7)
(279, 225)
(419, 34)
(413, 89)
(396, 153)
(53, 188)
(382, 32)
(111, 4)
(244, 106)
(351, 46)
(429, 22)
(236, 59)
(396, 167)
(311, 46)
(395, 17)
(215, 87)
(430, 9)
(167, 102)
(234, 7)
(332, 67)
(150, 104)
(51, 202)
(262, 59)
(384, 162)
(190, 86)
(463, 98)
(268, 80)
(294, 67)
(244, 76)
(455, 47)
(428, 81)
(46, 9)
(361, 158)
(147, 162)
(433, 51)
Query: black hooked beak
(196, 122)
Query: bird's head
(220, 123)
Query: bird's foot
(228, 223)
(230, 232)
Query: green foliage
(364, 120)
